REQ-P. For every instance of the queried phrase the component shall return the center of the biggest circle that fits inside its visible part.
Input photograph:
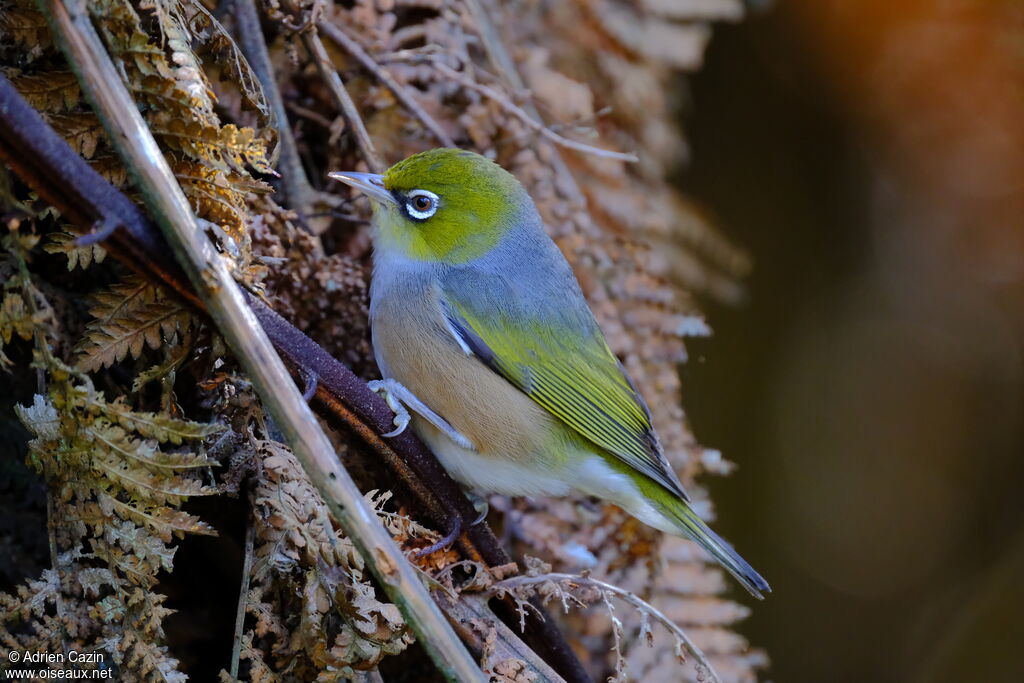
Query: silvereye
(481, 330)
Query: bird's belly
(517, 441)
(521, 449)
(501, 421)
(491, 471)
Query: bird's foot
(480, 504)
(399, 398)
(452, 535)
(386, 389)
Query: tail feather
(719, 548)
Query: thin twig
(314, 116)
(43, 160)
(512, 108)
(511, 584)
(297, 190)
(470, 615)
(401, 92)
(51, 531)
(209, 275)
(243, 597)
(500, 59)
(493, 45)
(316, 49)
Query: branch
(339, 36)
(500, 59)
(512, 108)
(44, 161)
(316, 49)
(475, 622)
(297, 189)
(243, 596)
(210, 277)
(511, 585)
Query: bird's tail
(694, 528)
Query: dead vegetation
(133, 404)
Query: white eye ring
(422, 214)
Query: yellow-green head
(447, 205)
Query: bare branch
(492, 640)
(243, 594)
(338, 35)
(297, 189)
(512, 108)
(315, 46)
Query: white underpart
(585, 473)
(596, 478)
(490, 474)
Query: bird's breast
(414, 346)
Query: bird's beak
(371, 184)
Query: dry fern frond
(82, 131)
(78, 256)
(130, 316)
(168, 81)
(117, 478)
(335, 621)
(53, 91)
(26, 33)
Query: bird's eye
(422, 204)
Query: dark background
(870, 156)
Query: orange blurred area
(870, 154)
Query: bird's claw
(398, 398)
(481, 505)
(402, 417)
(401, 422)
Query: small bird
(480, 329)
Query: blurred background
(870, 156)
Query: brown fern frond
(161, 427)
(81, 130)
(129, 317)
(27, 30)
(78, 256)
(51, 91)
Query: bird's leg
(455, 526)
(388, 389)
(398, 398)
(455, 522)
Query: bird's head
(447, 205)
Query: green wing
(567, 367)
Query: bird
(486, 344)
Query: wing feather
(571, 372)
